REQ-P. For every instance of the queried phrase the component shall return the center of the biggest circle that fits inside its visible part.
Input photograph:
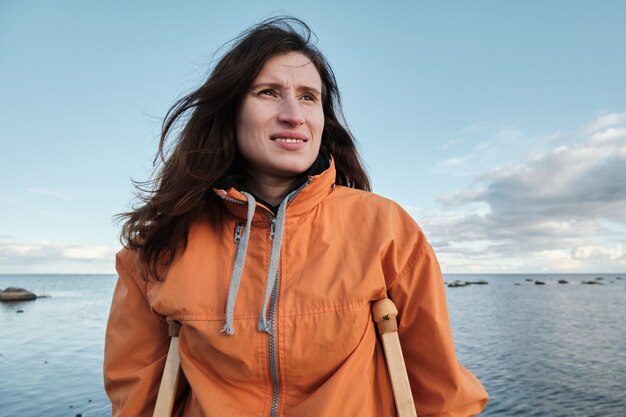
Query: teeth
(288, 140)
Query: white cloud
(449, 164)
(559, 259)
(48, 257)
(609, 136)
(604, 121)
(89, 253)
(598, 252)
(550, 209)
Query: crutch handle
(384, 313)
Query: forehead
(292, 67)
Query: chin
(292, 169)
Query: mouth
(289, 137)
(288, 140)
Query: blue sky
(500, 126)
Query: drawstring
(240, 258)
(272, 272)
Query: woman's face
(280, 122)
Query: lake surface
(540, 350)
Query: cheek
(242, 132)
(318, 123)
(245, 140)
(248, 118)
(248, 130)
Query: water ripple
(545, 351)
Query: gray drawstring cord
(272, 271)
(240, 258)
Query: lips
(289, 137)
(288, 140)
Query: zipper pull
(238, 229)
(272, 227)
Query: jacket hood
(314, 190)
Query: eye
(267, 92)
(309, 97)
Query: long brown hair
(205, 149)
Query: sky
(499, 126)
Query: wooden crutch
(385, 313)
(171, 374)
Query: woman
(261, 237)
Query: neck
(273, 190)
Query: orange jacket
(318, 354)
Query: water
(544, 350)
(540, 350)
(51, 354)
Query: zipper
(272, 227)
(272, 317)
(272, 331)
(238, 230)
(233, 200)
(273, 353)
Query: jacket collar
(310, 195)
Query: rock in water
(562, 281)
(457, 284)
(540, 283)
(16, 294)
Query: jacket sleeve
(136, 344)
(441, 386)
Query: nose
(290, 111)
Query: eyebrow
(278, 86)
